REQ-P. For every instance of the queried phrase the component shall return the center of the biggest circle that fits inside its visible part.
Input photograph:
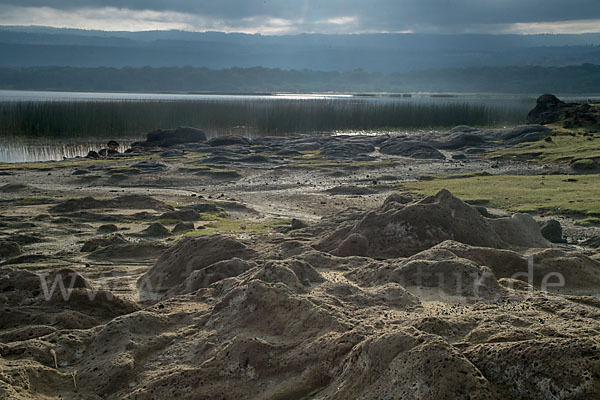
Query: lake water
(23, 149)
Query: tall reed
(272, 116)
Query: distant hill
(528, 80)
(385, 53)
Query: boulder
(411, 149)
(183, 227)
(552, 231)
(519, 230)
(549, 109)
(171, 137)
(228, 141)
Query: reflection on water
(13, 150)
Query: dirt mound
(553, 270)
(188, 255)
(530, 369)
(154, 231)
(410, 365)
(447, 278)
(96, 243)
(203, 278)
(397, 230)
(128, 251)
(129, 202)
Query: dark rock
(103, 152)
(552, 230)
(79, 172)
(458, 141)
(411, 149)
(183, 227)
(298, 224)
(549, 109)
(171, 137)
(228, 141)
(112, 145)
(9, 249)
(93, 155)
(459, 156)
(107, 228)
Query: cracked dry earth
(289, 277)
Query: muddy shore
(292, 267)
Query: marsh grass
(276, 116)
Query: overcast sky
(322, 16)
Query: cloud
(295, 16)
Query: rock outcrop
(549, 110)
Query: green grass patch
(562, 148)
(240, 226)
(590, 221)
(554, 194)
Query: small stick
(74, 375)
(53, 354)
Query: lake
(44, 125)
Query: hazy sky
(323, 16)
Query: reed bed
(276, 116)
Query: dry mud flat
(172, 281)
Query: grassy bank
(553, 194)
(118, 118)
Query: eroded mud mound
(129, 202)
(400, 230)
(188, 255)
(455, 317)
